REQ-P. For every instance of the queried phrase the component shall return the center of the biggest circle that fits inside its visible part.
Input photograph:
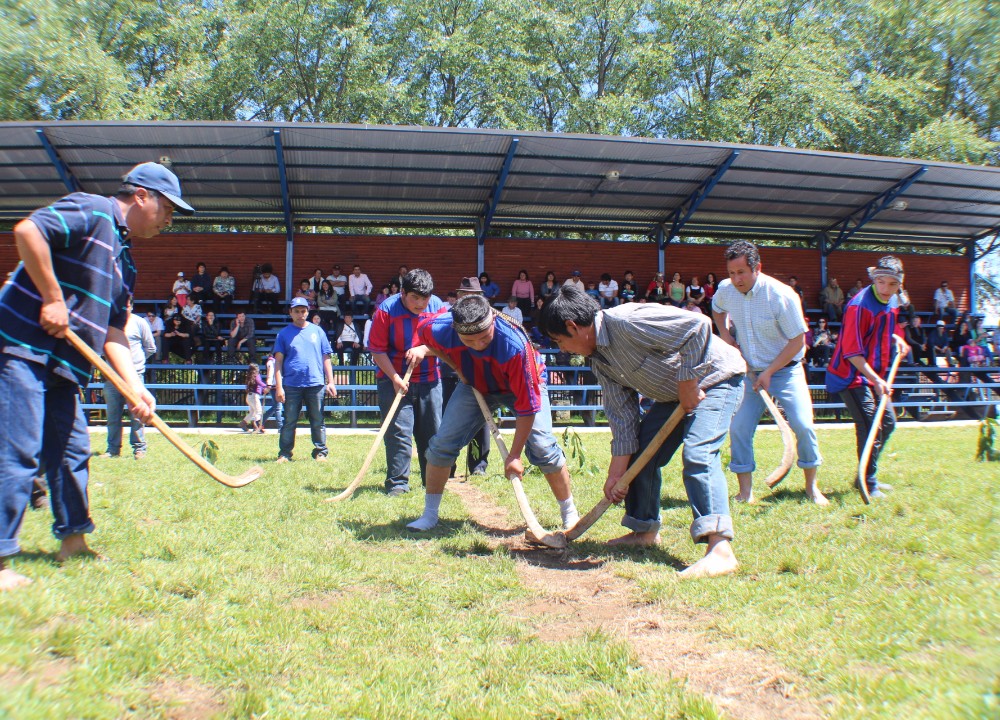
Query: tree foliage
(892, 77)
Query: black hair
(744, 249)
(471, 309)
(418, 281)
(606, 277)
(569, 303)
(267, 268)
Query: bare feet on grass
(10, 580)
(741, 498)
(817, 497)
(76, 546)
(719, 560)
(637, 538)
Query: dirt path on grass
(581, 594)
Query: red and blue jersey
(509, 364)
(393, 333)
(866, 330)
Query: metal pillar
(970, 252)
(490, 208)
(286, 203)
(821, 244)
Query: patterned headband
(473, 328)
(878, 271)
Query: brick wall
(448, 259)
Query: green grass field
(266, 602)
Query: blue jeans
(418, 416)
(360, 304)
(116, 406)
(861, 403)
(789, 386)
(295, 398)
(273, 409)
(462, 420)
(702, 433)
(41, 419)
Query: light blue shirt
(303, 351)
(765, 318)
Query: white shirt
(348, 334)
(335, 279)
(515, 314)
(943, 296)
(270, 284)
(359, 285)
(766, 318)
(608, 289)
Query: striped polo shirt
(866, 331)
(92, 261)
(509, 364)
(393, 333)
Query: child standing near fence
(256, 388)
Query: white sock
(430, 517)
(567, 508)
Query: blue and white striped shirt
(92, 261)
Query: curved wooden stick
(378, 442)
(584, 523)
(553, 540)
(110, 375)
(787, 437)
(874, 431)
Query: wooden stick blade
(787, 440)
(873, 433)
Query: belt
(793, 363)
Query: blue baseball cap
(154, 176)
(298, 302)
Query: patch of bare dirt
(580, 595)
(44, 673)
(185, 700)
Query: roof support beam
(680, 216)
(863, 215)
(994, 244)
(287, 206)
(67, 177)
(490, 208)
(970, 252)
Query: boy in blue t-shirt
(303, 374)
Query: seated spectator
(692, 306)
(832, 300)
(513, 311)
(384, 294)
(450, 299)
(793, 283)
(822, 346)
(627, 293)
(339, 282)
(242, 337)
(916, 338)
(676, 290)
(960, 338)
(524, 291)
(359, 288)
(181, 290)
(940, 344)
(549, 285)
(316, 281)
(397, 279)
(306, 292)
(944, 303)
(906, 310)
(201, 286)
(539, 304)
(156, 325)
(348, 341)
(858, 287)
(328, 304)
(224, 290)
(192, 312)
(608, 291)
(695, 292)
(490, 289)
(393, 288)
(575, 280)
(177, 339)
(170, 309)
(628, 277)
(266, 294)
(972, 353)
(711, 285)
(206, 334)
(656, 291)
(593, 291)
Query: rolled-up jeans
(41, 418)
(116, 406)
(463, 419)
(702, 432)
(295, 398)
(789, 386)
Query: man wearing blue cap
(303, 374)
(76, 272)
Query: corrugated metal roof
(445, 177)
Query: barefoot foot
(637, 538)
(817, 497)
(719, 560)
(10, 580)
(76, 546)
(741, 498)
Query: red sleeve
(378, 338)
(525, 383)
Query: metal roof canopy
(322, 174)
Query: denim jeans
(41, 419)
(789, 386)
(477, 456)
(295, 398)
(702, 433)
(419, 417)
(861, 404)
(116, 406)
(273, 409)
(463, 419)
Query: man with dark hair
(267, 290)
(770, 332)
(670, 357)
(76, 273)
(495, 357)
(242, 336)
(392, 337)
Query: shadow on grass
(395, 531)
(781, 495)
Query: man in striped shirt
(393, 335)
(863, 356)
(495, 357)
(670, 357)
(76, 272)
(770, 332)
